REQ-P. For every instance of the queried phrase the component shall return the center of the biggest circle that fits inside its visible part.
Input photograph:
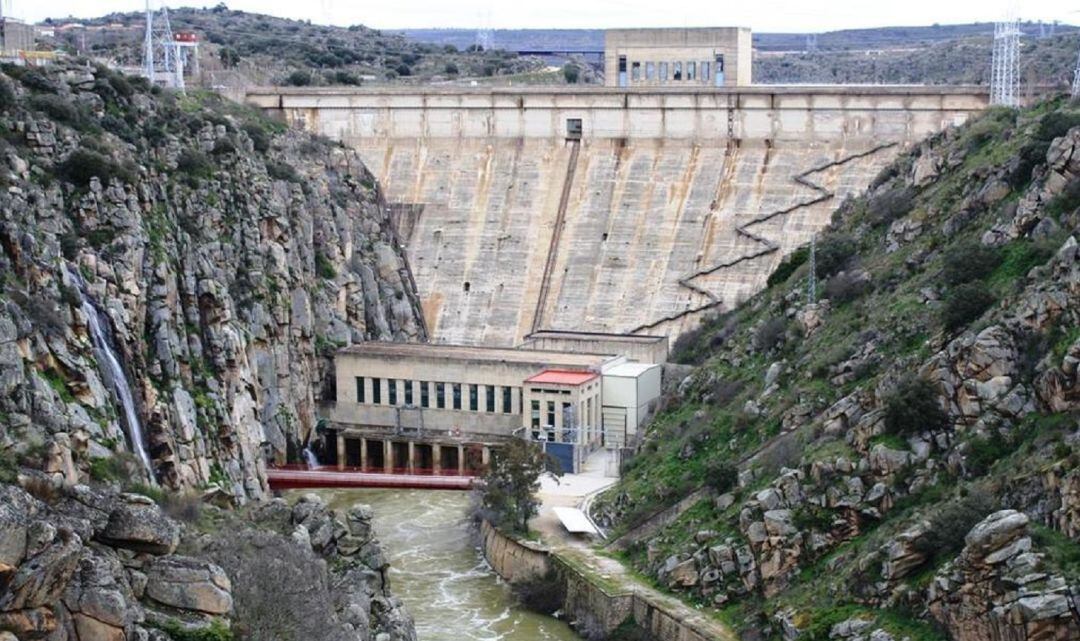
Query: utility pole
(1005, 64)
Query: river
(438, 572)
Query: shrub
(451, 69)
(833, 253)
(571, 73)
(224, 147)
(964, 304)
(983, 452)
(260, 140)
(8, 98)
(721, 475)
(770, 333)
(951, 524)
(282, 171)
(299, 78)
(1067, 201)
(891, 205)
(83, 164)
(788, 266)
(914, 406)
(216, 631)
(847, 286)
(324, 267)
(968, 262)
(544, 593)
(194, 163)
(403, 70)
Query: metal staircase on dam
(556, 234)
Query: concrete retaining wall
(588, 605)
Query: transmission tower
(159, 49)
(485, 36)
(1076, 79)
(1005, 70)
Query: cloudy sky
(760, 15)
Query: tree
(571, 73)
(508, 495)
(913, 407)
(229, 57)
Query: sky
(760, 15)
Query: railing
(288, 477)
(373, 469)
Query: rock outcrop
(227, 258)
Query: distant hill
(269, 49)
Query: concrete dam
(607, 209)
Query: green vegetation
(914, 406)
(216, 631)
(964, 304)
(508, 496)
(83, 164)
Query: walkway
(301, 477)
(574, 490)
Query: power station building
(440, 408)
(678, 57)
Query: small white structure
(630, 392)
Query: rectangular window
(691, 69)
(457, 395)
(489, 398)
(719, 63)
(508, 400)
(663, 72)
(622, 64)
(536, 414)
(391, 389)
(474, 398)
(678, 70)
(440, 395)
(360, 389)
(650, 70)
(635, 71)
(705, 71)
(425, 398)
(551, 413)
(409, 392)
(376, 391)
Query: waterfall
(112, 371)
(310, 458)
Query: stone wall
(589, 606)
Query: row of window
(676, 71)
(458, 394)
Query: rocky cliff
(884, 444)
(82, 564)
(217, 258)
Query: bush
(299, 78)
(1067, 201)
(788, 266)
(224, 147)
(216, 631)
(951, 524)
(324, 267)
(721, 476)
(545, 593)
(282, 171)
(8, 98)
(770, 334)
(891, 205)
(403, 70)
(847, 286)
(83, 164)
(195, 164)
(914, 407)
(968, 262)
(964, 304)
(260, 140)
(983, 452)
(833, 253)
(451, 69)
(571, 73)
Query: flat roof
(593, 336)
(437, 351)
(630, 370)
(574, 520)
(562, 377)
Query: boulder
(190, 584)
(138, 524)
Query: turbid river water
(440, 574)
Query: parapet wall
(675, 202)
(778, 114)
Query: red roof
(562, 377)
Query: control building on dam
(609, 209)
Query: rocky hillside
(193, 250)
(83, 564)
(270, 50)
(890, 449)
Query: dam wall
(672, 203)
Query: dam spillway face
(667, 207)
